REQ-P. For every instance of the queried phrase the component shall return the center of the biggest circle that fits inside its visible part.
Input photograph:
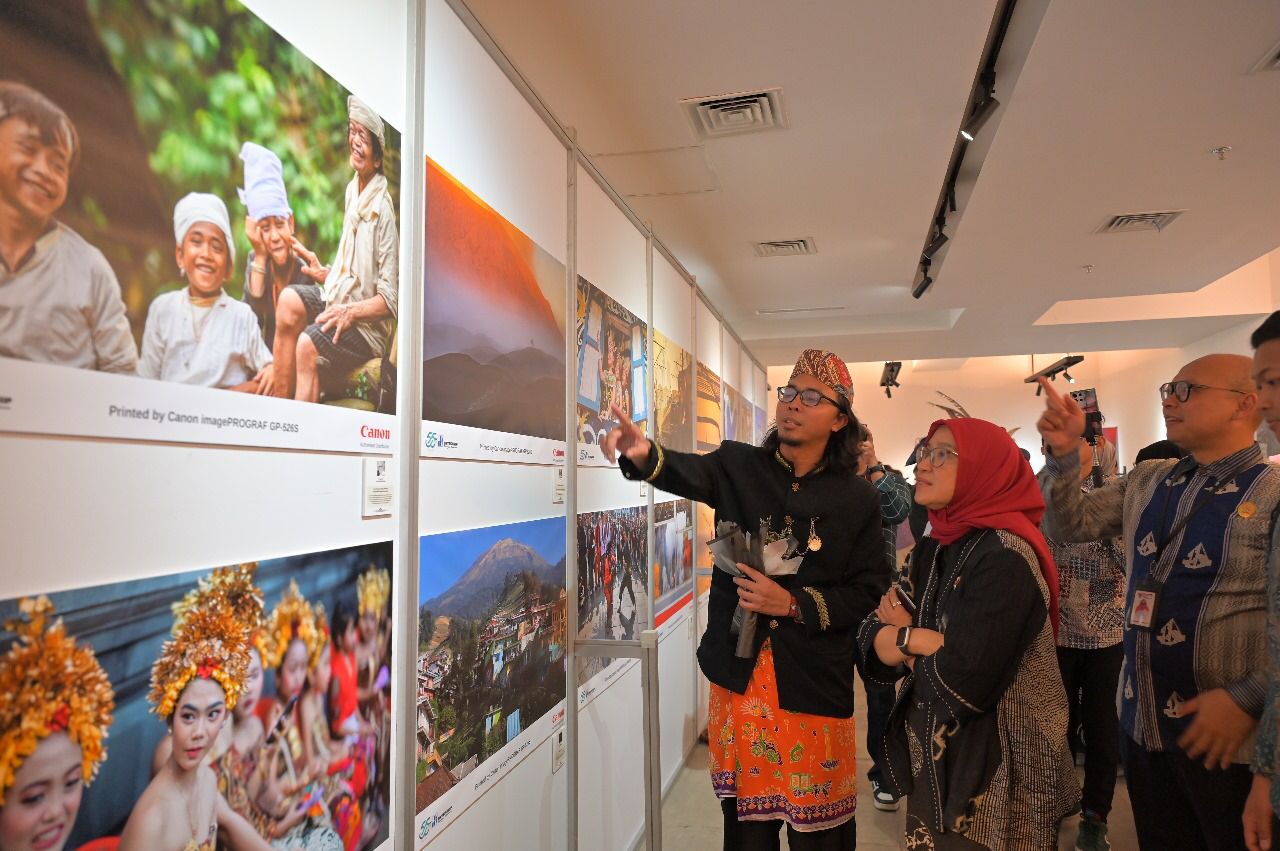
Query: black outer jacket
(835, 588)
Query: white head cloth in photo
(203, 207)
(360, 112)
(263, 193)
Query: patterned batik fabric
(1091, 583)
(778, 764)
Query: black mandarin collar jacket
(836, 587)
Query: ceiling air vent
(1131, 222)
(782, 311)
(786, 247)
(741, 112)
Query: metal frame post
(571, 504)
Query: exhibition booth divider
(349, 479)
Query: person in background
(783, 737)
(895, 506)
(1091, 579)
(273, 267)
(59, 299)
(1260, 826)
(1159, 449)
(1197, 534)
(199, 334)
(350, 322)
(978, 738)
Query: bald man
(1197, 534)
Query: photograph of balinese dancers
(187, 197)
(240, 708)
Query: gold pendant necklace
(815, 543)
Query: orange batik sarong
(781, 765)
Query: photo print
(672, 394)
(199, 204)
(493, 377)
(612, 343)
(613, 595)
(672, 557)
(245, 700)
(710, 410)
(491, 643)
(761, 425)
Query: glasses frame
(802, 395)
(923, 452)
(1170, 388)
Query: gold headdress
(373, 589)
(293, 617)
(212, 627)
(48, 685)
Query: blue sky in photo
(446, 556)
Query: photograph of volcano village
(491, 636)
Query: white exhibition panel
(675, 692)
(746, 374)
(611, 251)
(95, 512)
(672, 303)
(760, 390)
(707, 330)
(470, 494)
(525, 809)
(604, 489)
(729, 360)
(323, 29)
(482, 131)
(611, 765)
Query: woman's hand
(759, 593)
(891, 612)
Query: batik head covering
(211, 638)
(49, 684)
(995, 489)
(828, 368)
(294, 617)
(361, 113)
(263, 194)
(202, 207)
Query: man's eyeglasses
(1182, 389)
(937, 456)
(810, 397)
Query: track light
(922, 287)
(1051, 371)
(971, 127)
(935, 244)
(889, 377)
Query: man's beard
(789, 441)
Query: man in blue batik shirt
(1197, 536)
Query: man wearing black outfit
(802, 482)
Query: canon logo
(375, 433)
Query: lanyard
(1209, 490)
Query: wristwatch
(904, 638)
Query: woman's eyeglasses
(810, 397)
(1182, 390)
(937, 456)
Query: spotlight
(935, 244)
(971, 127)
(1051, 371)
(922, 287)
(889, 378)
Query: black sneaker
(1093, 834)
(882, 800)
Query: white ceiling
(1113, 109)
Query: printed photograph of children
(186, 197)
(242, 708)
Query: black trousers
(879, 706)
(1090, 677)
(1179, 805)
(764, 835)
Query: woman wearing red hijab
(977, 741)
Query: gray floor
(691, 815)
